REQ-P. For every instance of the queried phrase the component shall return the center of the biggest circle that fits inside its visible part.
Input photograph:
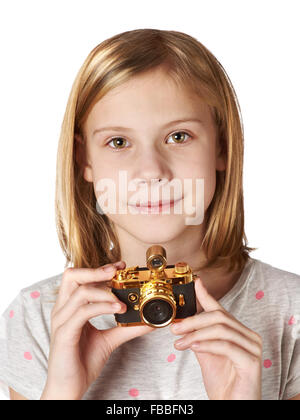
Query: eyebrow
(98, 130)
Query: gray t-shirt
(265, 299)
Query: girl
(158, 106)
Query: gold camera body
(156, 295)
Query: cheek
(105, 182)
(205, 171)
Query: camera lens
(156, 262)
(157, 311)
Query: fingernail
(109, 268)
(116, 306)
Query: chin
(156, 232)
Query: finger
(219, 332)
(206, 319)
(207, 302)
(83, 295)
(70, 332)
(119, 335)
(241, 358)
(75, 277)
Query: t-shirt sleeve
(23, 347)
(292, 387)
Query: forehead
(152, 95)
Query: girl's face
(145, 146)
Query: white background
(43, 44)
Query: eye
(178, 137)
(118, 142)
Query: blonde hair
(84, 234)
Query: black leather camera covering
(187, 290)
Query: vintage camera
(156, 295)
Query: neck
(188, 249)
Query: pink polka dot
(171, 357)
(259, 295)
(11, 314)
(267, 363)
(134, 392)
(27, 355)
(292, 320)
(35, 295)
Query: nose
(151, 167)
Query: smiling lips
(158, 204)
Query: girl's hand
(229, 354)
(78, 351)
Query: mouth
(159, 205)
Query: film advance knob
(181, 268)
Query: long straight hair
(84, 234)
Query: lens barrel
(157, 312)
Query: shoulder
(41, 296)
(41, 293)
(25, 338)
(277, 274)
(276, 285)
(33, 304)
(42, 287)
